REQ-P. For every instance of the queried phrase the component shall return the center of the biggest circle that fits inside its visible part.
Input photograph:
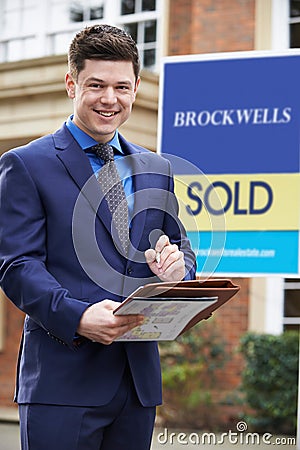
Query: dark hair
(102, 42)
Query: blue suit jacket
(58, 257)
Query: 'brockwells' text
(219, 117)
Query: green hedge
(270, 381)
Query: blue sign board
(231, 125)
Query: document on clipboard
(171, 309)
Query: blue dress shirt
(86, 141)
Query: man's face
(103, 97)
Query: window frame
(45, 34)
(293, 21)
(288, 286)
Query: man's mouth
(106, 113)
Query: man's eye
(96, 86)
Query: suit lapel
(79, 168)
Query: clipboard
(216, 292)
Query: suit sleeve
(23, 273)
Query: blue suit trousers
(108, 427)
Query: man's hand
(166, 260)
(99, 324)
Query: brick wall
(232, 319)
(208, 396)
(13, 323)
(232, 322)
(209, 26)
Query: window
(134, 6)
(33, 28)
(291, 318)
(83, 11)
(17, 28)
(144, 32)
(294, 23)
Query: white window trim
(280, 33)
(274, 305)
(272, 24)
(291, 320)
(266, 306)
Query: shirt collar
(85, 140)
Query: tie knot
(104, 151)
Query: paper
(165, 318)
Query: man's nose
(109, 96)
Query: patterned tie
(113, 190)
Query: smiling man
(103, 94)
(64, 262)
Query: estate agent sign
(230, 123)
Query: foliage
(188, 371)
(270, 381)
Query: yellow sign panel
(239, 201)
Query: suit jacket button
(129, 271)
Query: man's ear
(137, 83)
(70, 85)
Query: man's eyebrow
(94, 80)
(99, 80)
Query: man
(64, 264)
